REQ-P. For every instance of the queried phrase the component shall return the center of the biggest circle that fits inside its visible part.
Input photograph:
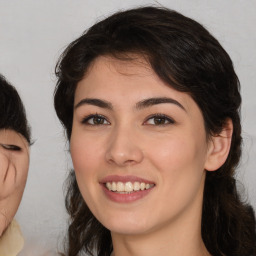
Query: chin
(127, 230)
(126, 226)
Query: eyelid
(11, 147)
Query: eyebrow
(155, 101)
(95, 102)
(140, 105)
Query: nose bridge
(124, 146)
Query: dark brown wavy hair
(188, 58)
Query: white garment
(12, 241)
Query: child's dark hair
(12, 111)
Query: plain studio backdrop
(32, 36)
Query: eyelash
(160, 117)
(11, 147)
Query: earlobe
(219, 147)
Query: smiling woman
(14, 162)
(150, 103)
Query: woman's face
(14, 162)
(139, 148)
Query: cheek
(187, 145)
(83, 152)
(87, 156)
(172, 152)
(180, 161)
(22, 166)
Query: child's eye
(11, 147)
(159, 119)
(95, 120)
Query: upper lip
(127, 178)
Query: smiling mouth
(127, 187)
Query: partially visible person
(14, 163)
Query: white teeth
(136, 186)
(113, 186)
(108, 185)
(120, 186)
(128, 186)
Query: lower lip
(126, 198)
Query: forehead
(129, 66)
(8, 136)
(106, 71)
(126, 77)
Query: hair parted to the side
(12, 111)
(188, 58)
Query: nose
(124, 148)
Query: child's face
(14, 163)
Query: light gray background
(32, 36)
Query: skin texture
(174, 155)
(14, 163)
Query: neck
(183, 243)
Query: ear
(219, 146)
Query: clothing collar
(12, 241)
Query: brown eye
(159, 119)
(95, 120)
(98, 120)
